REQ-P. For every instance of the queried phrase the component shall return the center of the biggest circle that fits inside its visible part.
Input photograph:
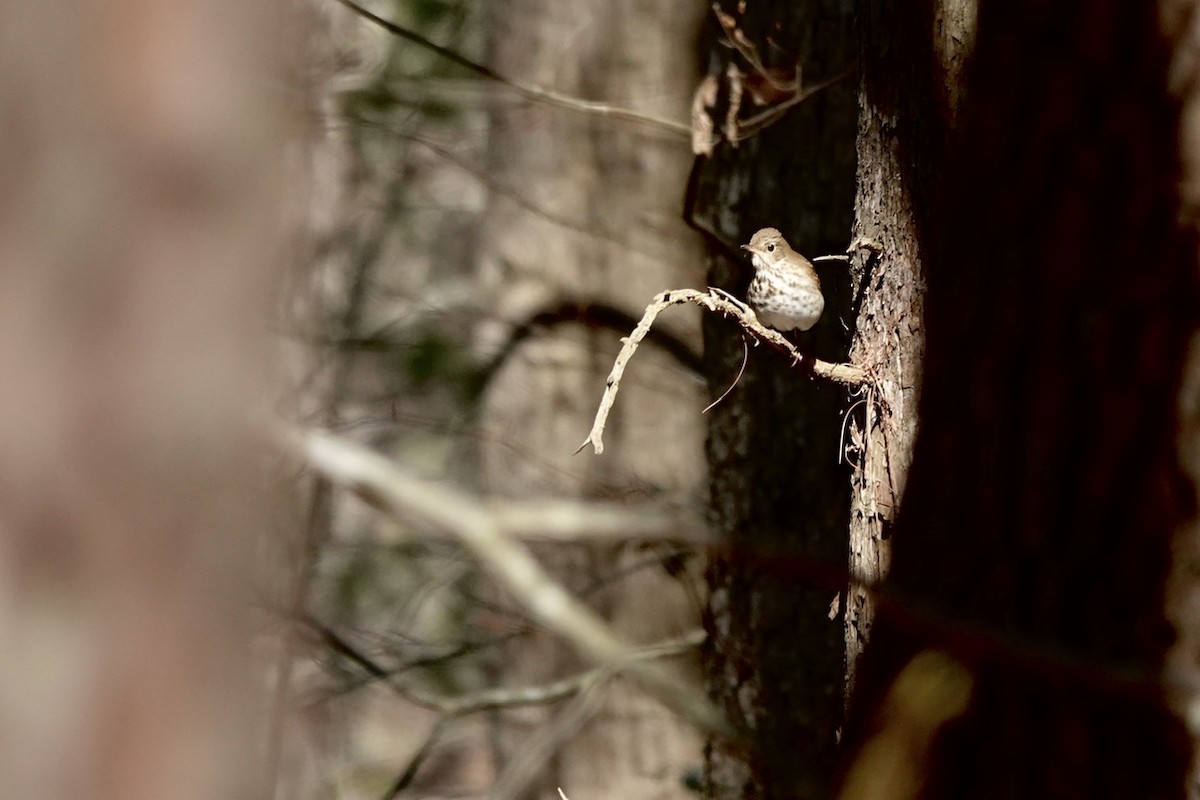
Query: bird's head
(766, 245)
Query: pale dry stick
(717, 301)
(598, 520)
(583, 521)
(379, 482)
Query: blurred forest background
(306, 308)
(477, 254)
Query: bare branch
(493, 699)
(752, 125)
(384, 485)
(717, 301)
(737, 129)
(409, 773)
(571, 520)
(531, 91)
(589, 228)
(538, 749)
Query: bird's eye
(771, 247)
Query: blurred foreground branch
(385, 486)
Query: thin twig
(846, 424)
(384, 485)
(751, 126)
(394, 672)
(531, 91)
(712, 300)
(736, 380)
(590, 228)
(538, 749)
(495, 699)
(409, 772)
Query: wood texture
(1044, 489)
(780, 496)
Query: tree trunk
(1031, 552)
(141, 192)
(911, 90)
(780, 493)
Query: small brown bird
(785, 292)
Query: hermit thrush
(785, 292)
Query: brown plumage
(785, 292)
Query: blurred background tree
(478, 255)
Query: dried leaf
(703, 135)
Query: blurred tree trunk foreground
(141, 209)
(1019, 635)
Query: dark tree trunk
(907, 103)
(780, 495)
(1033, 544)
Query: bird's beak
(746, 247)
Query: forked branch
(721, 303)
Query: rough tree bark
(908, 99)
(779, 492)
(1030, 555)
